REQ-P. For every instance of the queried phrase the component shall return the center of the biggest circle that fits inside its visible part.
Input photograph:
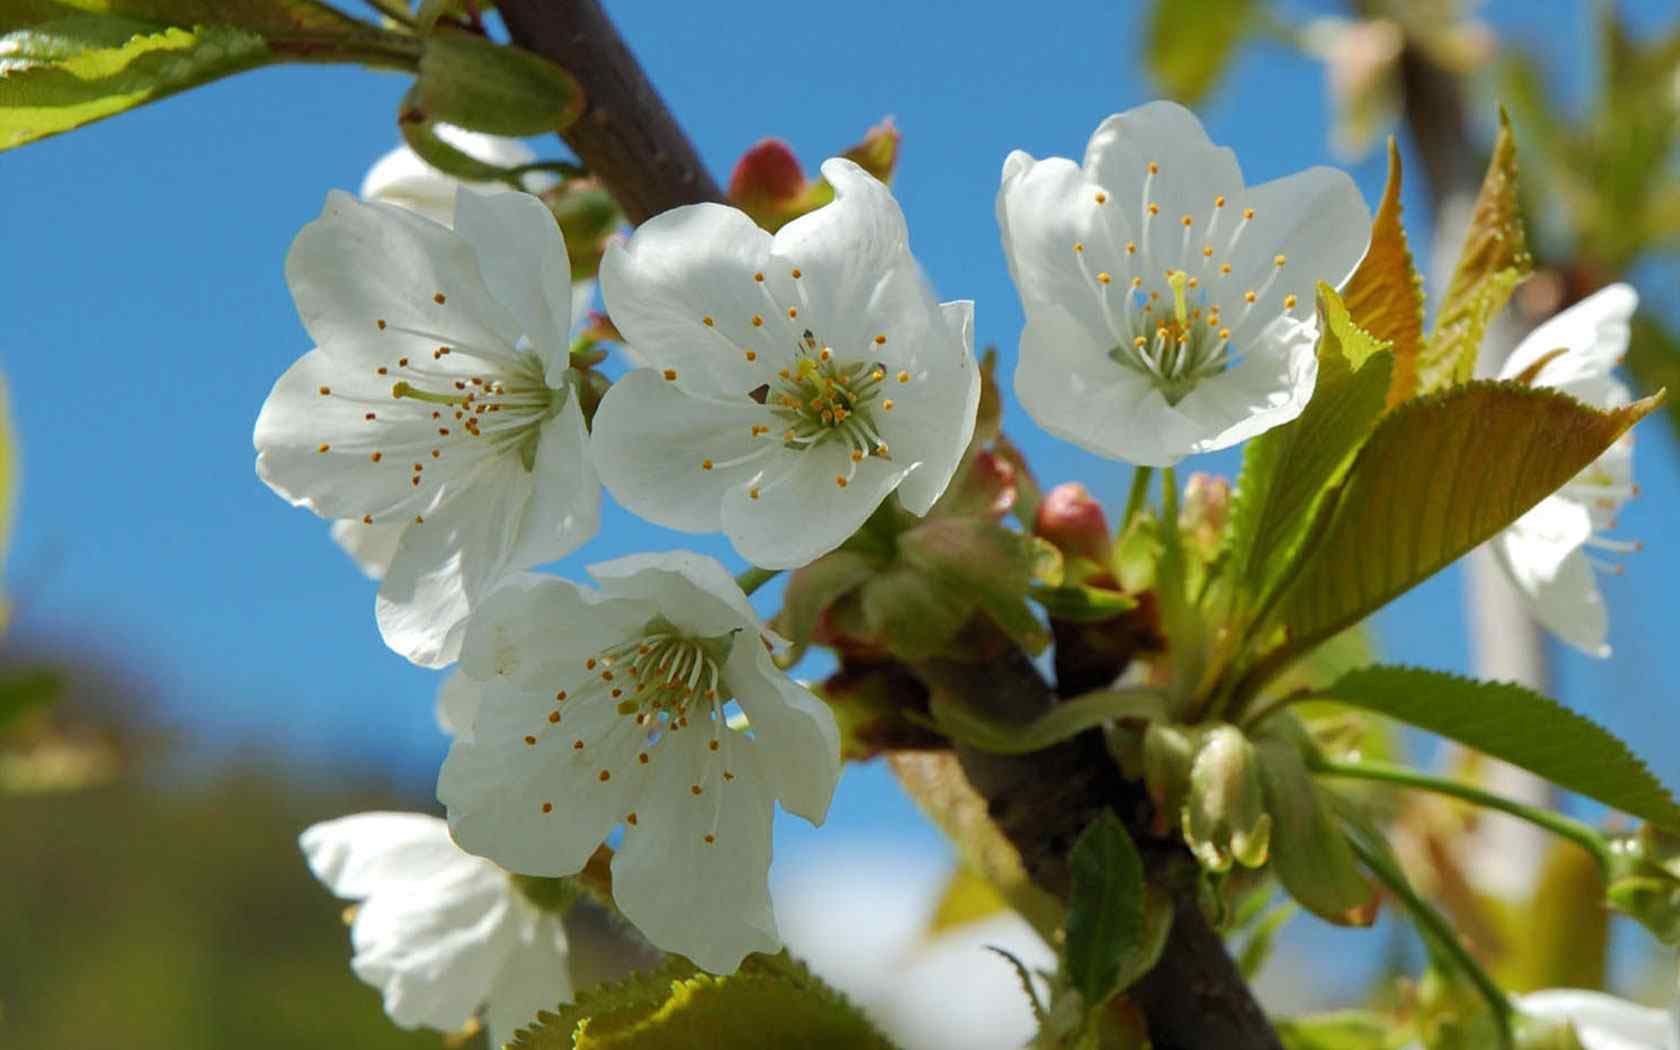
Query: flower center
(818, 399)
(1178, 342)
(503, 407)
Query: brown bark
(626, 136)
(1195, 998)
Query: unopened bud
(983, 488)
(767, 174)
(588, 218)
(1206, 509)
(1225, 816)
(878, 152)
(1074, 522)
(1644, 881)
(1168, 752)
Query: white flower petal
(449, 563)
(707, 900)
(434, 948)
(536, 628)
(1043, 211)
(357, 855)
(799, 741)
(1192, 171)
(361, 263)
(933, 418)
(803, 512)
(536, 976)
(692, 591)
(1316, 221)
(1593, 335)
(683, 266)
(652, 440)
(1541, 553)
(371, 547)
(1268, 388)
(456, 709)
(1604, 1022)
(400, 177)
(564, 511)
(497, 785)
(522, 256)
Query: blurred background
(217, 678)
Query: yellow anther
(887, 405)
(326, 390)
(904, 377)
(1131, 247)
(1248, 297)
(705, 464)
(857, 456)
(707, 321)
(1219, 201)
(1225, 268)
(1102, 198)
(825, 354)
(1154, 168)
(1248, 213)
(1078, 247)
(759, 277)
(1154, 209)
(840, 479)
(880, 340)
(752, 355)
(1137, 282)
(324, 447)
(670, 374)
(793, 311)
(753, 492)
(877, 375)
(757, 321)
(1103, 278)
(1207, 251)
(438, 298)
(795, 273)
(1289, 302)
(1280, 259)
(1187, 221)
(1140, 342)
(1224, 333)
(376, 457)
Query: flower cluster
(793, 391)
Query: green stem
(1139, 493)
(1583, 835)
(754, 578)
(395, 10)
(1437, 929)
(564, 168)
(376, 48)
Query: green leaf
(1339, 1030)
(1518, 726)
(1078, 603)
(811, 589)
(1438, 476)
(60, 75)
(1384, 297)
(263, 16)
(771, 1002)
(1310, 854)
(1495, 257)
(1189, 43)
(1288, 470)
(1063, 722)
(1654, 359)
(1105, 909)
(25, 690)
(472, 82)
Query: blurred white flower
(795, 380)
(439, 398)
(440, 932)
(1170, 310)
(400, 177)
(1545, 551)
(1604, 1022)
(606, 707)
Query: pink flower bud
(1074, 522)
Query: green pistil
(820, 400)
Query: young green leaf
(1287, 471)
(1385, 294)
(1105, 911)
(472, 82)
(1309, 851)
(1340, 1030)
(1190, 42)
(1437, 477)
(773, 1002)
(62, 74)
(1495, 257)
(263, 16)
(1518, 726)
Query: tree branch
(1195, 998)
(626, 136)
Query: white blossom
(400, 177)
(607, 707)
(439, 400)
(795, 380)
(1545, 551)
(1604, 1022)
(440, 932)
(1169, 308)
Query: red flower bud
(1074, 522)
(768, 173)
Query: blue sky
(142, 272)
